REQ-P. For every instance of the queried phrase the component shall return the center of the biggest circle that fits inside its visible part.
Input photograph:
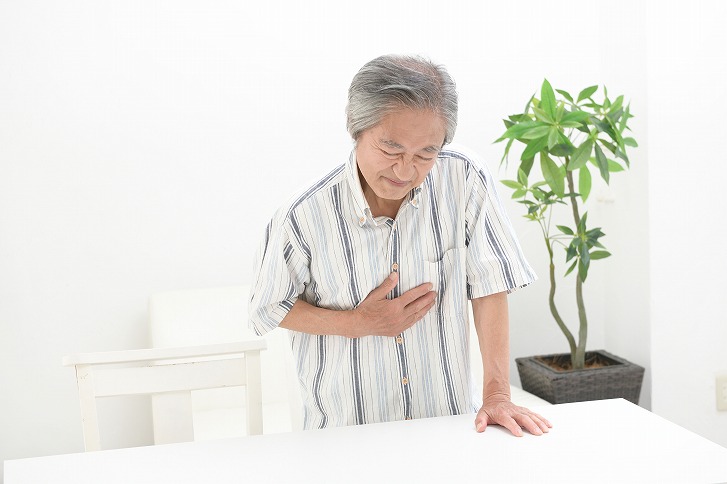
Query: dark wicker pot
(621, 379)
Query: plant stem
(578, 354)
(551, 300)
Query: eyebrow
(394, 144)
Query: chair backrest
(219, 314)
(172, 373)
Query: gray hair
(391, 82)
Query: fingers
(527, 422)
(481, 423)
(541, 422)
(512, 425)
(513, 418)
(413, 294)
(387, 286)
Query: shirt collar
(363, 211)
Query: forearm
(376, 315)
(306, 318)
(492, 324)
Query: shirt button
(395, 267)
(361, 220)
(405, 381)
(399, 340)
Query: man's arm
(492, 323)
(375, 316)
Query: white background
(144, 145)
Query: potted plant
(572, 138)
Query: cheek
(423, 172)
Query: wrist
(496, 392)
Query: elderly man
(372, 266)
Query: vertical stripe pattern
(325, 248)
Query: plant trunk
(578, 354)
(553, 308)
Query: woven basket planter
(621, 379)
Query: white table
(610, 441)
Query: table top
(599, 441)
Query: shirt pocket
(449, 280)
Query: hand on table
(512, 417)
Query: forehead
(411, 129)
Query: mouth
(397, 183)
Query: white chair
(171, 374)
(215, 315)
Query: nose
(404, 168)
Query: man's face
(396, 155)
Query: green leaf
(584, 262)
(608, 145)
(586, 93)
(543, 116)
(570, 269)
(569, 124)
(622, 155)
(507, 151)
(565, 94)
(534, 147)
(559, 112)
(517, 130)
(572, 251)
(553, 137)
(518, 118)
(616, 107)
(582, 270)
(562, 149)
(575, 116)
(584, 182)
(512, 184)
(547, 99)
(522, 177)
(526, 166)
(630, 142)
(581, 155)
(536, 132)
(565, 229)
(519, 193)
(599, 254)
(614, 167)
(603, 126)
(622, 124)
(602, 163)
(582, 223)
(552, 174)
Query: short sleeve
(280, 275)
(495, 261)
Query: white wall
(143, 146)
(687, 66)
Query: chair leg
(254, 407)
(89, 414)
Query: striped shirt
(325, 247)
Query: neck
(380, 207)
